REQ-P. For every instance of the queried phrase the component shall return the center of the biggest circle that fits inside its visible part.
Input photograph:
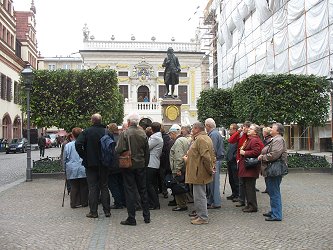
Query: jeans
(116, 186)
(273, 188)
(214, 187)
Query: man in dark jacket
(41, 145)
(88, 147)
(135, 139)
(232, 165)
(165, 163)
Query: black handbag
(169, 181)
(276, 168)
(176, 184)
(251, 163)
(180, 188)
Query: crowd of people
(186, 160)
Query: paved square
(31, 217)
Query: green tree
(217, 104)
(68, 98)
(285, 98)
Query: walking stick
(63, 197)
(225, 179)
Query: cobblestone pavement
(13, 166)
(31, 217)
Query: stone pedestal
(171, 112)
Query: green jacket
(177, 151)
(139, 146)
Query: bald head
(96, 119)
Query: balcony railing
(141, 46)
(143, 107)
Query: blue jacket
(73, 162)
(218, 144)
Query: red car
(48, 143)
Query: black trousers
(233, 178)
(250, 192)
(97, 178)
(135, 180)
(116, 186)
(162, 173)
(41, 151)
(152, 175)
(79, 192)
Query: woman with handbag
(273, 167)
(249, 167)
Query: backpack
(107, 150)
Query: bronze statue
(171, 72)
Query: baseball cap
(174, 127)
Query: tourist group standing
(187, 160)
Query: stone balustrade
(141, 46)
(143, 106)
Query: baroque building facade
(18, 46)
(140, 73)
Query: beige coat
(272, 151)
(200, 161)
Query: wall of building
(13, 29)
(274, 37)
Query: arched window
(143, 93)
(6, 127)
(17, 127)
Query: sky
(59, 23)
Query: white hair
(133, 118)
(210, 122)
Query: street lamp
(27, 75)
(330, 79)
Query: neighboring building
(18, 45)
(273, 37)
(54, 63)
(140, 73)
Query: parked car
(17, 145)
(48, 142)
(54, 140)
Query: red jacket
(237, 138)
(252, 148)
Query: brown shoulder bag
(125, 158)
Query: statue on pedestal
(171, 72)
